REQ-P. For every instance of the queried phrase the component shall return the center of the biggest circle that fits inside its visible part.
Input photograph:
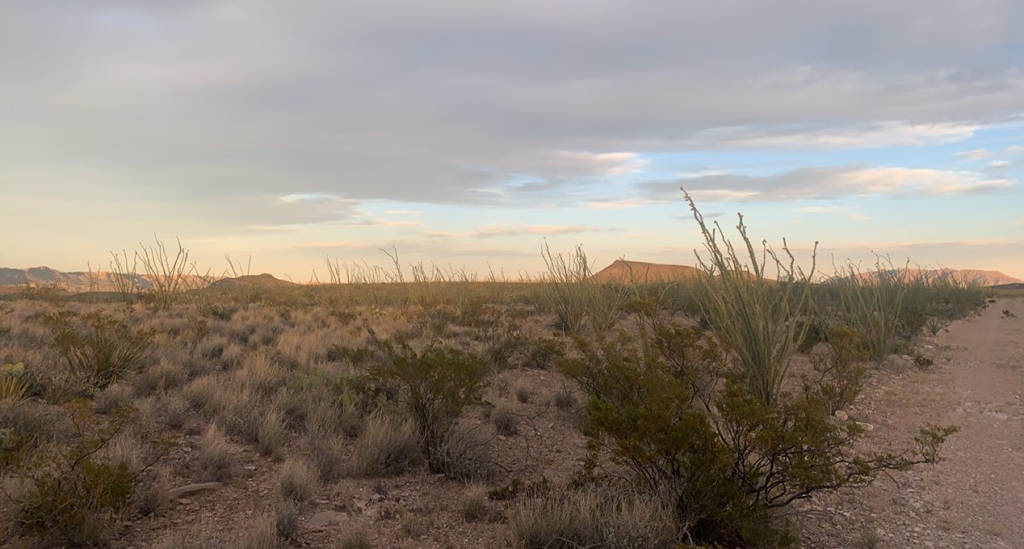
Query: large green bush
(689, 428)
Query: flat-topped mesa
(626, 272)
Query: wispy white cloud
(613, 204)
(585, 162)
(856, 216)
(821, 209)
(830, 183)
(874, 135)
(974, 154)
(516, 230)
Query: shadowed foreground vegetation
(701, 408)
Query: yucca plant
(14, 386)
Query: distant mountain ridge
(975, 276)
(623, 271)
(74, 282)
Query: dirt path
(975, 497)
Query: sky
(467, 134)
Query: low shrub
(435, 385)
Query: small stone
(324, 519)
(866, 426)
(841, 415)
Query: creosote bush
(692, 432)
(435, 385)
(76, 497)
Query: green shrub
(693, 432)
(435, 385)
(75, 497)
(838, 376)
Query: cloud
(974, 154)
(820, 183)
(589, 163)
(875, 135)
(456, 101)
(496, 231)
(855, 216)
(616, 204)
(820, 209)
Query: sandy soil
(975, 497)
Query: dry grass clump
(591, 519)
(207, 395)
(163, 376)
(261, 533)
(260, 374)
(506, 422)
(523, 392)
(151, 495)
(286, 520)
(243, 416)
(299, 481)
(465, 454)
(327, 455)
(114, 396)
(389, 446)
(474, 503)
(215, 460)
(564, 399)
(356, 540)
(272, 435)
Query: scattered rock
(189, 489)
(841, 415)
(324, 519)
